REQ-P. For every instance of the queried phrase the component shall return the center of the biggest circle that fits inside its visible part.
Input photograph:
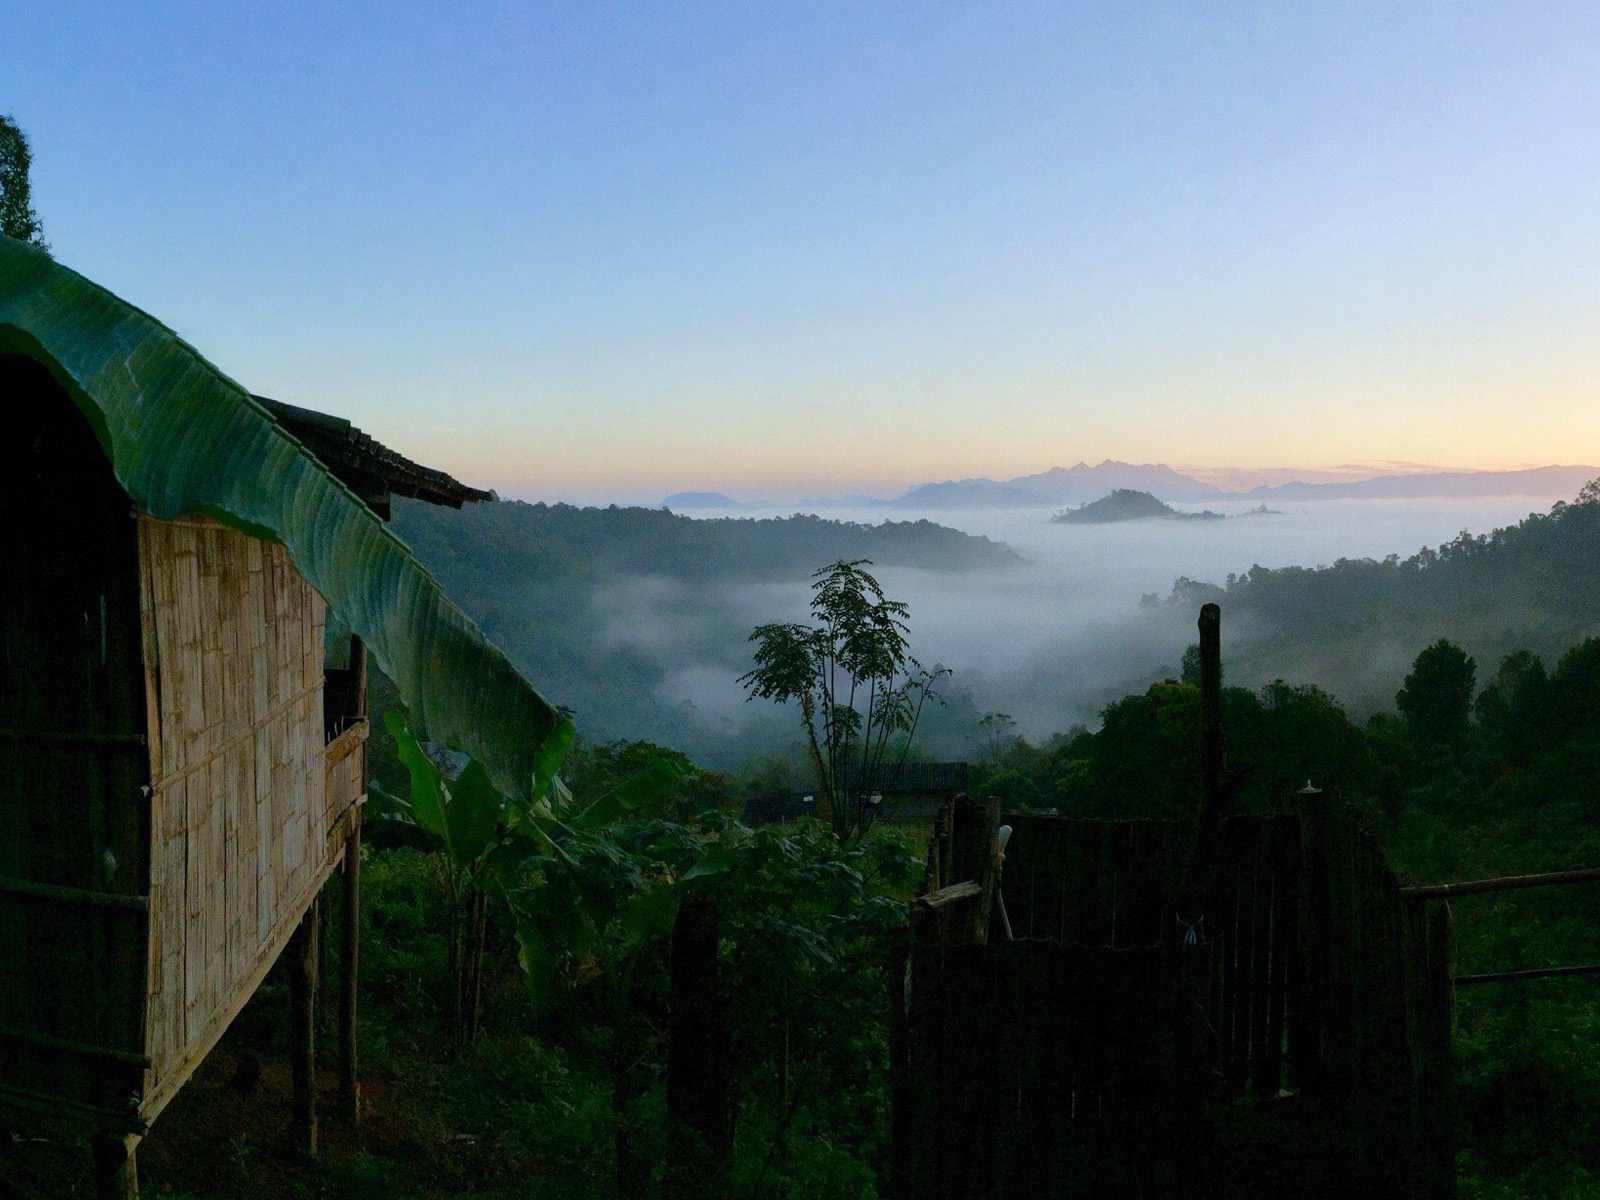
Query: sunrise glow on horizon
(613, 253)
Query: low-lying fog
(1050, 642)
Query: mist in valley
(1088, 618)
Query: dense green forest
(1354, 625)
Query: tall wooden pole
(302, 954)
(1197, 879)
(1211, 710)
(350, 961)
(350, 930)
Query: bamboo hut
(180, 774)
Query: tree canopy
(1436, 699)
(17, 216)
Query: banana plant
(463, 819)
(183, 438)
(490, 844)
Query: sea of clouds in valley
(1054, 640)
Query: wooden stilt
(302, 953)
(350, 931)
(325, 942)
(350, 958)
(116, 1172)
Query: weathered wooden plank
(953, 893)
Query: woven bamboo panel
(239, 816)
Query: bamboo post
(358, 667)
(116, 1170)
(325, 942)
(302, 955)
(988, 873)
(350, 961)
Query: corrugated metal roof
(921, 777)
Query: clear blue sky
(608, 251)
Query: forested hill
(1354, 625)
(624, 613)
(511, 539)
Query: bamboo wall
(240, 802)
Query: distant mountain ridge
(681, 500)
(1454, 485)
(1077, 484)
(1081, 484)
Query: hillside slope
(1355, 626)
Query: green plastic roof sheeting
(184, 438)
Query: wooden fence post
(302, 953)
(987, 874)
(1199, 876)
(1210, 628)
(350, 962)
(1308, 1015)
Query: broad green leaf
(652, 783)
(548, 761)
(717, 861)
(427, 786)
(507, 863)
(473, 813)
(184, 438)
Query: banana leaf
(184, 438)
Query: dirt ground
(224, 1138)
